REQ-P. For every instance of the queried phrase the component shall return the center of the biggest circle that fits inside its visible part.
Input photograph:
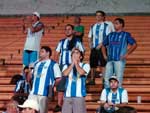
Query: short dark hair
(102, 12)
(121, 21)
(47, 49)
(70, 26)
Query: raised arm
(80, 70)
(68, 70)
(37, 28)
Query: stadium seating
(136, 77)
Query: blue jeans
(114, 68)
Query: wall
(73, 6)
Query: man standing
(63, 53)
(46, 74)
(116, 44)
(78, 28)
(65, 46)
(114, 97)
(35, 30)
(76, 73)
(97, 33)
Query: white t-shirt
(33, 39)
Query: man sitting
(113, 97)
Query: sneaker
(57, 108)
(91, 82)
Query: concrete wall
(73, 6)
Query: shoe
(57, 108)
(91, 82)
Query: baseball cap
(30, 103)
(113, 78)
(37, 14)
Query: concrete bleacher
(136, 77)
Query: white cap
(113, 78)
(30, 103)
(37, 14)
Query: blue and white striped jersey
(45, 73)
(98, 32)
(116, 43)
(65, 52)
(76, 84)
(124, 96)
(22, 85)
